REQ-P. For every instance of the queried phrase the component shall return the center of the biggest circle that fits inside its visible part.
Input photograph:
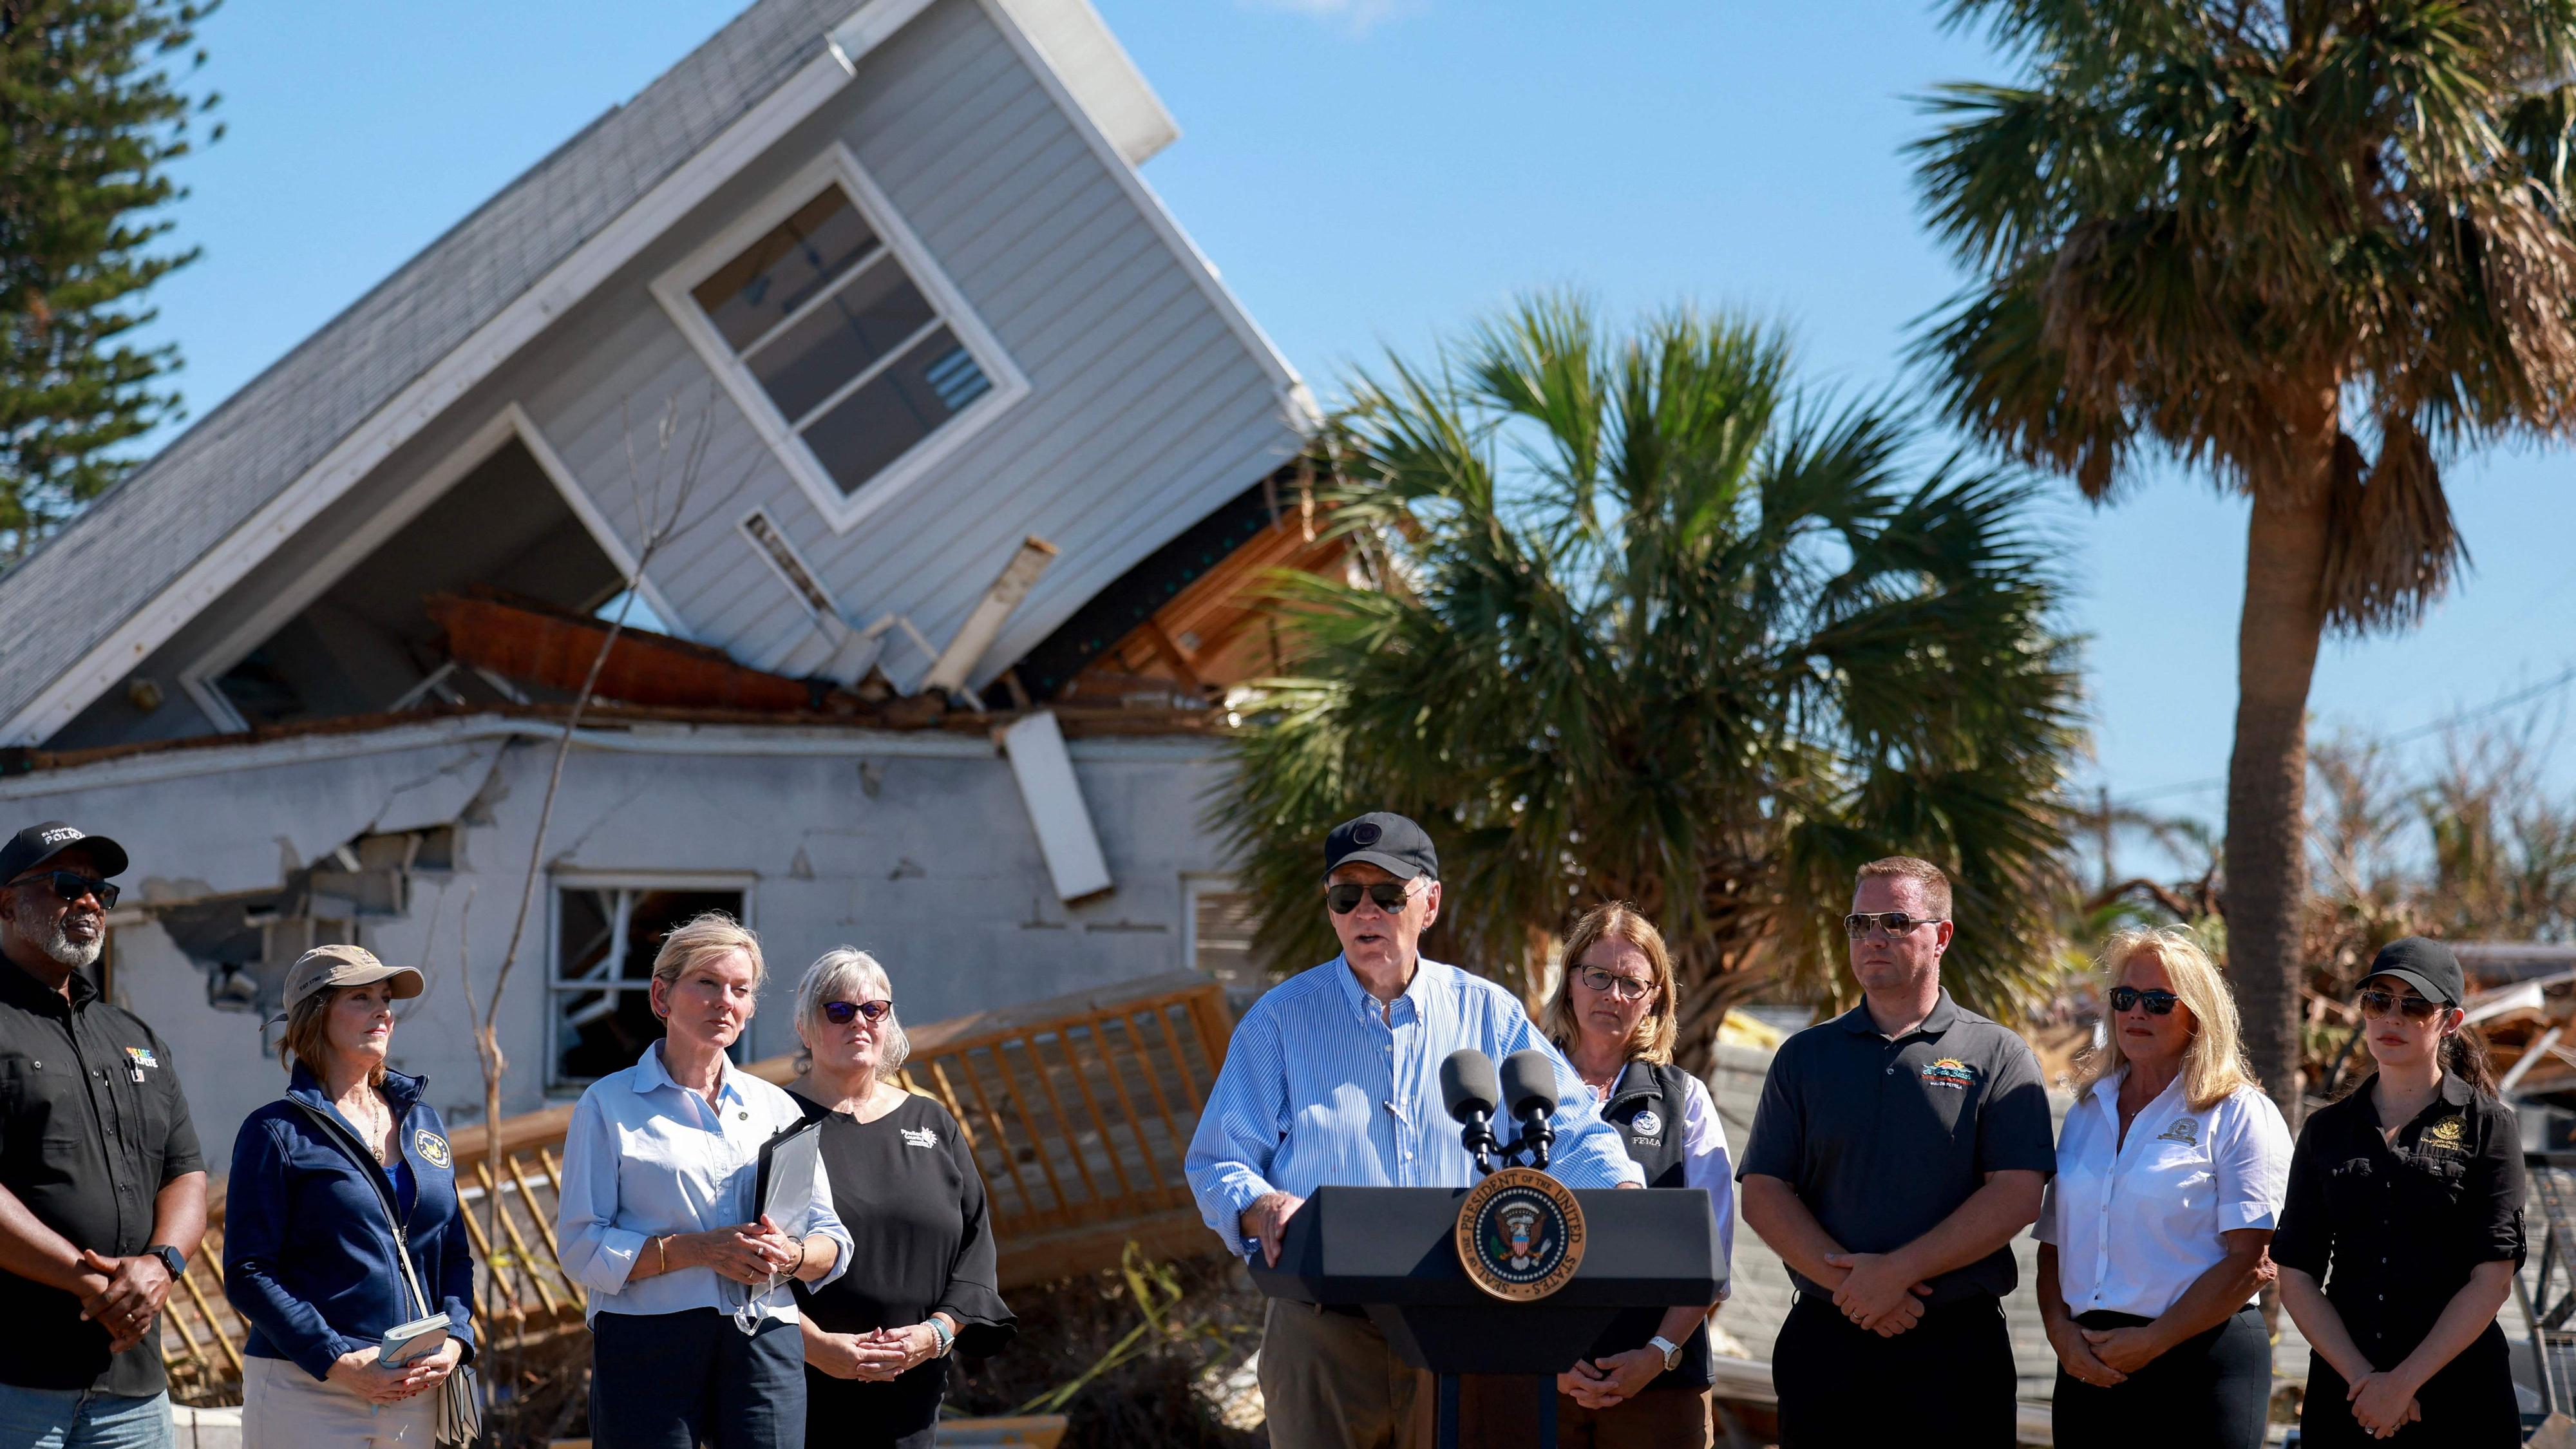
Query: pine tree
(92, 113)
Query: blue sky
(1368, 173)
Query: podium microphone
(1470, 1090)
(1529, 1090)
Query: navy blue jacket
(308, 1252)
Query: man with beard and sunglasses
(102, 1189)
(1896, 1152)
(1333, 1077)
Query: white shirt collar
(651, 1074)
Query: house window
(1219, 941)
(853, 353)
(600, 988)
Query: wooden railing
(1078, 1110)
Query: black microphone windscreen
(1529, 1080)
(1468, 1083)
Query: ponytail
(2465, 1057)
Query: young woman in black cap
(2405, 1202)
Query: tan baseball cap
(347, 966)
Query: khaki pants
(1330, 1381)
(283, 1407)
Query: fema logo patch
(1951, 1072)
(1520, 1234)
(1647, 1124)
(431, 1147)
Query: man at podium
(1333, 1079)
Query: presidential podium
(1396, 1252)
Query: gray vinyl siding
(1146, 408)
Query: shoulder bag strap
(374, 1172)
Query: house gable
(234, 504)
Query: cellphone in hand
(413, 1341)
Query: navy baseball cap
(36, 844)
(2423, 963)
(1383, 839)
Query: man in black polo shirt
(1898, 1150)
(102, 1191)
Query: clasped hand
(2382, 1403)
(361, 1374)
(752, 1254)
(875, 1356)
(1877, 1293)
(1612, 1379)
(122, 1295)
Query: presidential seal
(1520, 1234)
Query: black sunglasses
(2157, 1003)
(1344, 899)
(71, 885)
(840, 1013)
(2378, 1001)
(1857, 924)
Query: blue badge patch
(431, 1147)
(1647, 1124)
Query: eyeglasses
(2378, 1001)
(1857, 924)
(840, 1013)
(2157, 1003)
(1390, 896)
(71, 885)
(1603, 979)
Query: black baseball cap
(1383, 839)
(36, 844)
(2423, 963)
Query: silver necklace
(378, 1126)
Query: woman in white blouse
(2170, 1174)
(694, 1333)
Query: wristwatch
(1671, 1351)
(170, 1259)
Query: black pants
(678, 1380)
(1948, 1380)
(2213, 1389)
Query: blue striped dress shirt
(1320, 1088)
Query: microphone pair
(1472, 1090)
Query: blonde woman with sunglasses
(2170, 1173)
(2404, 1227)
(921, 1286)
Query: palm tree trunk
(2276, 657)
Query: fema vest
(1647, 1106)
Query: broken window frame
(842, 510)
(623, 886)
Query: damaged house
(854, 366)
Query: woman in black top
(921, 1277)
(2406, 1200)
(1645, 1383)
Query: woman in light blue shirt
(694, 1336)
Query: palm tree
(1637, 624)
(2309, 246)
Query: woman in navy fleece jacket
(309, 1249)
